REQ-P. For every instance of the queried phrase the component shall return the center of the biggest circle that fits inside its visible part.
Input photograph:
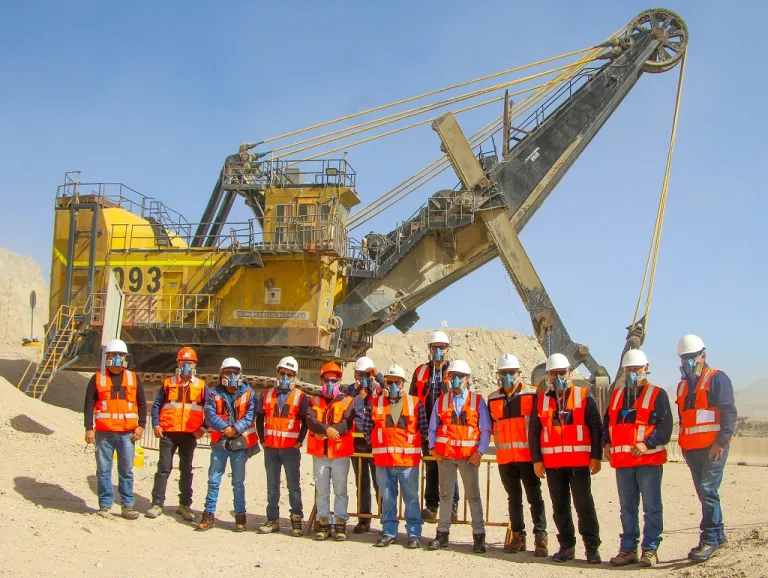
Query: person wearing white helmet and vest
(230, 411)
(395, 428)
(459, 435)
(366, 387)
(565, 436)
(511, 407)
(115, 417)
(707, 411)
(428, 383)
(636, 429)
(282, 424)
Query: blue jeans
(633, 483)
(274, 461)
(707, 476)
(388, 478)
(327, 470)
(107, 443)
(216, 470)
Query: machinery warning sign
(247, 314)
(272, 296)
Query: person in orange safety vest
(178, 419)
(331, 423)
(636, 428)
(511, 407)
(565, 438)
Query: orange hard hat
(331, 367)
(186, 354)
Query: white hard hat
(634, 358)
(557, 361)
(690, 344)
(508, 361)
(230, 362)
(459, 366)
(364, 364)
(395, 371)
(438, 337)
(288, 363)
(117, 346)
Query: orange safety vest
(458, 436)
(183, 407)
(395, 444)
(281, 424)
(118, 415)
(423, 381)
(331, 414)
(624, 436)
(700, 424)
(510, 434)
(565, 446)
(241, 408)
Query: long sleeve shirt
(594, 423)
(159, 402)
(434, 385)
(216, 422)
(281, 399)
(720, 396)
(423, 423)
(484, 421)
(661, 418)
(345, 425)
(92, 396)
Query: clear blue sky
(156, 94)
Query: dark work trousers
(518, 475)
(432, 487)
(169, 443)
(564, 482)
(363, 482)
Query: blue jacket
(215, 422)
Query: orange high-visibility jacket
(510, 433)
(565, 446)
(699, 425)
(241, 408)
(458, 436)
(331, 414)
(624, 436)
(119, 414)
(395, 444)
(183, 407)
(282, 424)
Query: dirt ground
(47, 497)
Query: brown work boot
(341, 529)
(649, 559)
(440, 541)
(296, 526)
(540, 544)
(129, 513)
(240, 521)
(362, 527)
(206, 523)
(624, 558)
(323, 530)
(516, 543)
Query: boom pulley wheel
(671, 32)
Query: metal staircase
(58, 340)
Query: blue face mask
(185, 370)
(690, 368)
(284, 383)
(457, 383)
(117, 361)
(365, 383)
(560, 383)
(437, 354)
(231, 381)
(509, 381)
(393, 391)
(632, 379)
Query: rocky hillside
(18, 276)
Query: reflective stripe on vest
(116, 415)
(282, 432)
(395, 444)
(624, 436)
(699, 425)
(565, 445)
(183, 413)
(457, 440)
(331, 414)
(241, 408)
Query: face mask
(509, 381)
(232, 381)
(393, 391)
(437, 354)
(457, 383)
(365, 383)
(284, 383)
(690, 368)
(330, 389)
(185, 370)
(117, 361)
(560, 383)
(632, 379)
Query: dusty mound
(744, 558)
(18, 276)
(480, 348)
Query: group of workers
(557, 434)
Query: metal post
(92, 251)
(505, 133)
(70, 251)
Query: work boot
(624, 558)
(440, 541)
(593, 554)
(702, 552)
(564, 554)
(154, 512)
(104, 513)
(455, 514)
(362, 527)
(269, 527)
(296, 526)
(129, 513)
(413, 543)
(723, 544)
(429, 515)
(240, 521)
(185, 513)
(341, 529)
(385, 541)
(516, 544)
(324, 530)
(540, 546)
(649, 559)
(206, 523)
(479, 543)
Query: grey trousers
(470, 477)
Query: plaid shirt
(366, 424)
(436, 380)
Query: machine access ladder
(59, 338)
